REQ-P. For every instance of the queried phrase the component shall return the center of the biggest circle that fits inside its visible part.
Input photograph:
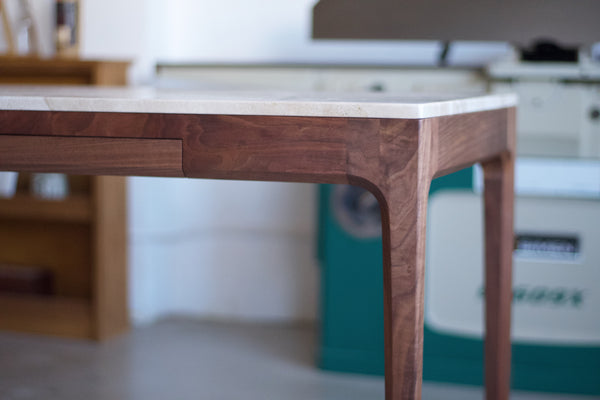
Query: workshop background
(274, 252)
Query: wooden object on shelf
(68, 28)
(62, 71)
(81, 240)
(25, 279)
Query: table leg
(498, 197)
(404, 267)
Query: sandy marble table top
(152, 100)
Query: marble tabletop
(313, 104)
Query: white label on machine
(556, 279)
(539, 246)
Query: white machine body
(556, 295)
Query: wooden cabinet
(79, 242)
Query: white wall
(274, 30)
(265, 30)
(121, 29)
(222, 249)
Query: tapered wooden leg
(499, 198)
(396, 164)
(404, 266)
(403, 203)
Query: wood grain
(297, 149)
(499, 241)
(396, 166)
(94, 156)
(457, 151)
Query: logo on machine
(545, 296)
(547, 247)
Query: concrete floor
(185, 359)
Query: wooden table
(391, 145)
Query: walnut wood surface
(499, 202)
(394, 159)
(455, 152)
(397, 166)
(498, 278)
(78, 155)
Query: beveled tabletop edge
(267, 103)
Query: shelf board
(75, 208)
(60, 316)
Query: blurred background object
(8, 183)
(7, 29)
(26, 280)
(26, 30)
(49, 186)
(67, 28)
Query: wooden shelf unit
(62, 71)
(76, 208)
(81, 240)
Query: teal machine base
(352, 319)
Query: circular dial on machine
(356, 210)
